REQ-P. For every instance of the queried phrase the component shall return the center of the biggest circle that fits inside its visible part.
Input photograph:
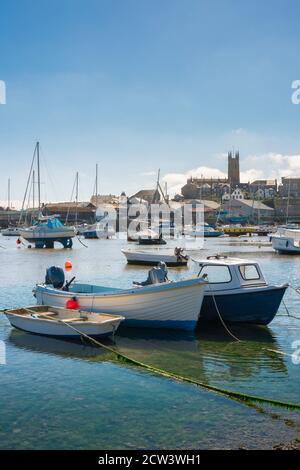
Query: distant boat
(238, 292)
(100, 230)
(48, 230)
(50, 321)
(174, 305)
(286, 240)
(11, 232)
(151, 241)
(177, 258)
(205, 231)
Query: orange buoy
(68, 265)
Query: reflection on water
(74, 395)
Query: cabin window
(249, 272)
(216, 274)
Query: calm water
(56, 394)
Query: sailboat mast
(39, 175)
(8, 194)
(96, 185)
(76, 198)
(33, 189)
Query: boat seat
(74, 319)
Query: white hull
(169, 305)
(285, 245)
(153, 257)
(35, 233)
(57, 328)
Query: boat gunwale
(145, 290)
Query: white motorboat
(51, 321)
(286, 240)
(165, 305)
(152, 257)
(11, 232)
(238, 292)
(47, 231)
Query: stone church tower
(233, 169)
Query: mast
(76, 198)
(96, 185)
(33, 189)
(288, 203)
(8, 194)
(39, 175)
(8, 198)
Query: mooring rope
(239, 396)
(86, 246)
(243, 397)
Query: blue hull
(187, 325)
(212, 234)
(90, 234)
(259, 307)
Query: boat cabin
(227, 273)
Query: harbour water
(61, 395)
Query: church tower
(233, 169)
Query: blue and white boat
(287, 240)
(174, 305)
(47, 231)
(238, 292)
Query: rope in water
(243, 397)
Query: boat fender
(72, 304)
(55, 276)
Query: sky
(137, 85)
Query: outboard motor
(55, 276)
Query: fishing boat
(238, 292)
(174, 305)
(286, 240)
(177, 258)
(206, 231)
(48, 230)
(51, 321)
(11, 232)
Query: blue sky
(135, 85)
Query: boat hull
(152, 259)
(168, 305)
(285, 246)
(56, 329)
(258, 306)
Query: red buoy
(68, 265)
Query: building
(71, 211)
(234, 169)
(236, 194)
(214, 188)
(152, 196)
(290, 186)
(253, 210)
(98, 200)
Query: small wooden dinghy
(57, 321)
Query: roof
(225, 261)
(255, 204)
(263, 183)
(147, 194)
